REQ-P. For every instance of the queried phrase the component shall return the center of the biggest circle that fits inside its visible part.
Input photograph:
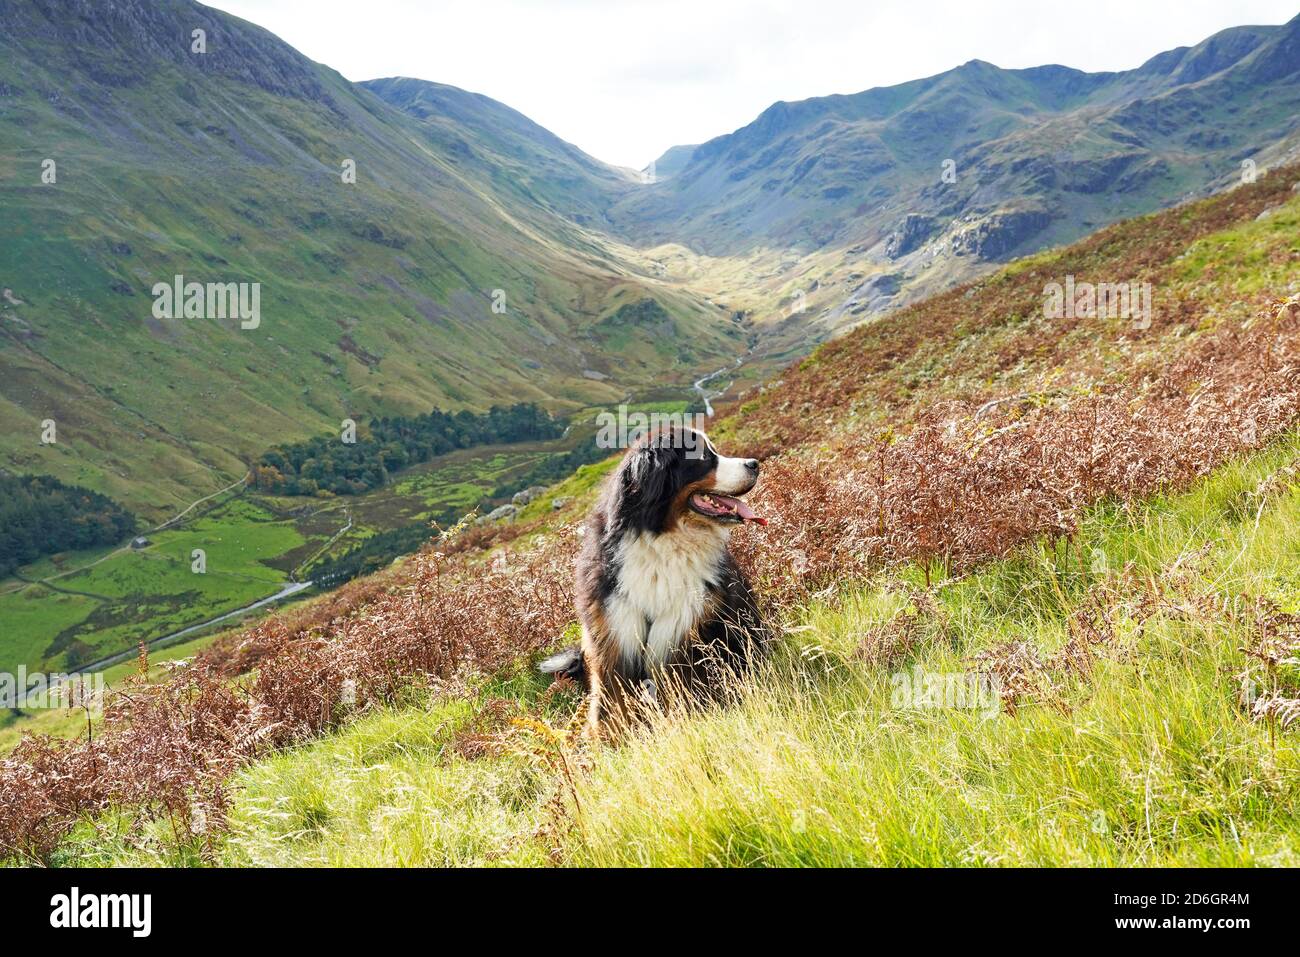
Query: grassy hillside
(378, 296)
(1094, 512)
(1119, 739)
(866, 201)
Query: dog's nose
(752, 465)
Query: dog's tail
(567, 663)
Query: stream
(706, 395)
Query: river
(708, 396)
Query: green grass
(32, 616)
(1147, 761)
(252, 544)
(141, 594)
(418, 800)
(460, 481)
(579, 488)
(1262, 254)
(1153, 764)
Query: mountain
(672, 162)
(457, 270)
(416, 245)
(1032, 158)
(509, 153)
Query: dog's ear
(640, 463)
(645, 475)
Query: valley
(1090, 520)
(78, 610)
(73, 609)
(379, 249)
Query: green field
(106, 606)
(97, 603)
(460, 481)
(115, 598)
(71, 722)
(105, 601)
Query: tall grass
(1146, 757)
(1148, 760)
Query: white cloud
(626, 80)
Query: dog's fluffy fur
(666, 613)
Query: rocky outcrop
(520, 499)
(875, 294)
(1097, 175)
(505, 513)
(914, 230)
(995, 236)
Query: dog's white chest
(662, 590)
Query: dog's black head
(676, 475)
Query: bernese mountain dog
(667, 615)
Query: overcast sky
(625, 80)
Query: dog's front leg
(608, 714)
(614, 702)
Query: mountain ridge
(765, 157)
(834, 210)
(226, 166)
(380, 295)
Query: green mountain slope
(917, 186)
(376, 297)
(826, 169)
(996, 538)
(509, 154)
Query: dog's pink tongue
(746, 513)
